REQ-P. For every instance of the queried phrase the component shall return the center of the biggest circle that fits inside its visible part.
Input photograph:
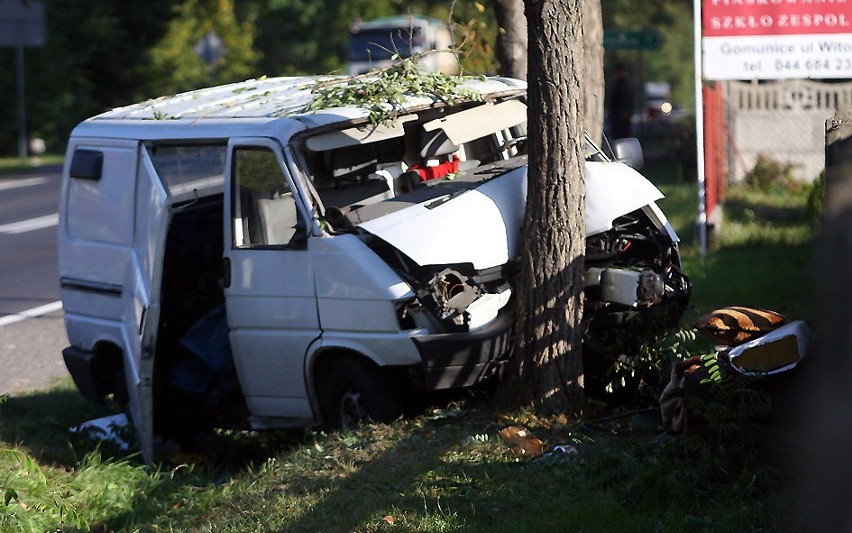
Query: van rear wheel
(355, 392)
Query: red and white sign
(776, 39)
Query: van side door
(269, 280)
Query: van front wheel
(355, 392)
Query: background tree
(95, 58)
(311, 36)
(511, 48)
(545, 369)
(511, 45)
(101, 55)
(593, 69)
(175, 64)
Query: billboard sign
(776, 39)
(21, 23)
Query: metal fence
(782, 120)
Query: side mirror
(629, 152)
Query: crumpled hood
(613, 190)
(483, 225)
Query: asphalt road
(32, 333)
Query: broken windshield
(436, 152)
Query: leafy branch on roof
(383, 92)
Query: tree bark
(546, 367)
(511, 46)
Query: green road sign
(632, 40)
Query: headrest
(353, 161)
(435, 143)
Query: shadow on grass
(39, 421)
(385, 485)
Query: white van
(227, 258)
(379, 43)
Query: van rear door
(145, 277)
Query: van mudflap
(93, 381)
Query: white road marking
(31, 224)
(30, 313)
(19, 183)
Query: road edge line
(30, 313)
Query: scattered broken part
(733, 325)
(107, 428)
(526, 443)
(777, 351)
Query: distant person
(621, 103)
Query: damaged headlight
(449, 300)
(452, 293)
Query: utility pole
(21, 24)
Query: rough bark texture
(511, 46)
(593, 74)
(546, 368)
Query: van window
(264, 212)
(187, 171)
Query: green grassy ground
(447, 470)
(760, 256)
(14, 165)
(444, 471)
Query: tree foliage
(673, 62)
(94, 59)
(100, 55)
(176, 66)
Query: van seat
(279, 218)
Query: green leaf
(10, 495)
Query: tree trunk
(593, 88)
(546, 367)
(511, 46)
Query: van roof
(275, 98)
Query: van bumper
(452, 360)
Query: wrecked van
(230, 259)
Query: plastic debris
(107, 428)
(775, 352)
(561, 449)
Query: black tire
(355, 391)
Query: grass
(446, 470)
(761, 255)
(15, 165)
